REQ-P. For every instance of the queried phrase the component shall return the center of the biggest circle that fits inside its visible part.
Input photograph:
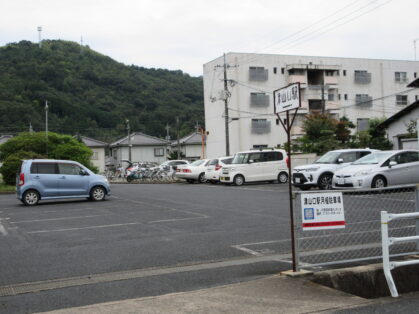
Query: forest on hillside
(91, 94)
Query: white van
(256, 165)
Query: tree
(34, 145)
(378, 138)
(319, 134)
(343, 130)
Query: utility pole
(414, 46)
(177, 135)
(129, 141)
(39, 36)
(226, 93)
(202, 132)
(46, 126)
(167, 132)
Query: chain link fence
(360, 240)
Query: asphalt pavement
(158, 238)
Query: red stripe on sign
(323, 224)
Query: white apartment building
(359, 89)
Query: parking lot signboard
(322, 211)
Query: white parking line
(175, 219)
(83, 228)
(3, 230)
(51, 219)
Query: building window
(330, 97)
(274, 70)
(344, 72)
(362, 124)
(159, 152)
(258, 74)
(283, 71)
(362, 77)
(400, 76)
(338, 96)
(259, 99)
(414, 75)
(329, 73)
(346, 96)
(363, 100)
(296, 72)
(95, 156)
(401, 99)
(261, 126)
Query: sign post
(286, 99)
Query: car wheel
(97, 193)
(304, 188)
(379, 182)
(129, 179)
(30, 198)
(283, 177)
(201, 178)
(325, 182)
(238, 180)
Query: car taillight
(129, 169)
(287, 160)
(187, 170)
(218, 167)
(21, 179)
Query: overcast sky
(185, 34)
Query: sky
(185, 34)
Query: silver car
(380, 169)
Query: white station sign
(287, 98)
(322, 211)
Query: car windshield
(240, 158)
(373, 158)
(329, 158)
(197, 163)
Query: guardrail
(388, 241)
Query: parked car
(214, 168)
(45, 179)
(380, 169)
(172, 164)
(256, 165)
(193, 172)
(320, 173)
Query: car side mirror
(83, 173)
(340, 160)
(392, 163)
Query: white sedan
(380, 169)
(214, 168)
(193, 172)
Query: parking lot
(158, 238)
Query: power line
(299, 42)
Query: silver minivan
(45, 179)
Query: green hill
(90, 93)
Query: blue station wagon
(46, 179)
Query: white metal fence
(360, 240)
(387, 241)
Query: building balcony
(294, 78)
(331, 80)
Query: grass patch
(6, 188)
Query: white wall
(140, 153)
(241, 138)
(400, 127)
(100, 161)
